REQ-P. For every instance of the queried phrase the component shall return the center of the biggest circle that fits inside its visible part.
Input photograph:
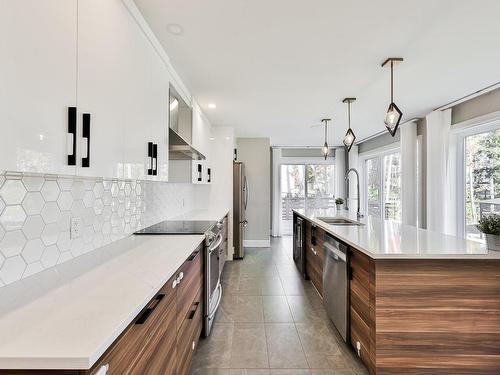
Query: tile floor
(272, 322)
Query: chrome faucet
(359, 216)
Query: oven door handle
(217, 244)
(212, 314)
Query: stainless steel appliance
(213, 288)
(214, 257)
(298, 244)
(335, 284)
(240, 202)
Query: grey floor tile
(265, 287)
(276, 309)
(318, 338)
(284, 347)
(271, 287)
(215, 351)
(208, 371)
(305, 311)
(237, 308)
(249, 349)
(295, 286)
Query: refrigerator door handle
(246, 193)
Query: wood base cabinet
(315, 255)
(162, 338)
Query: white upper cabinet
(201, 132)
(123, 84)
(111, 67)
(158, 112)
(38, 41)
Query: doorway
(304, 186)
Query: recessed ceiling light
(175, 29)
(212, 138)
(212, 105)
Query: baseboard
(257, 243)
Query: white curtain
(276, 205)
(409, 173)
(439, 214)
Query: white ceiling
(276, 67)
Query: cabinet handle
(209, 174)
(174, 284)
(199, 172)
(72, 135)
(193, 311)
(103, 370)
(192, 256)
(149, 310)
(150, 156)
(314, 251)
(155, 159)
(86, 134)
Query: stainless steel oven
(213, 288)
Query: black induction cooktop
(179, 227)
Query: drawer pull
(149, 310)
(103, 370)
(314, 251)
(192, 256)
(358, 348)
(193, 312)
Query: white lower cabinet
(38, 61)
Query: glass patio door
(304, 186)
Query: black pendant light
(394, 114)
(349, 137)
(325, 150)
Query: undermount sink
(338, 221)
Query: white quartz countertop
(67, 316)
(386, 239)
(208, 214)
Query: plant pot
(339, 206)
(493, 242)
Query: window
(382, 185)
(305, 186)
(482, 179)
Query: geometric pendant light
(394, 114)
(349, 137)
(325, 149)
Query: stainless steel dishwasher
(335, 284)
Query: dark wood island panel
(437, 316)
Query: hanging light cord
(392, 81)
(326, 134)
(349, 113)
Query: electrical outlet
(76, 227)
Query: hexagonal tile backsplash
(35, 214)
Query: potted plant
(339, 202)
(490, 226)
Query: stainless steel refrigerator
(240, 202)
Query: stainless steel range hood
(180, 130)
(179, 149)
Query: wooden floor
(271, 322)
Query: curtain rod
(473, 95)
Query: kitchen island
(419, 302)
